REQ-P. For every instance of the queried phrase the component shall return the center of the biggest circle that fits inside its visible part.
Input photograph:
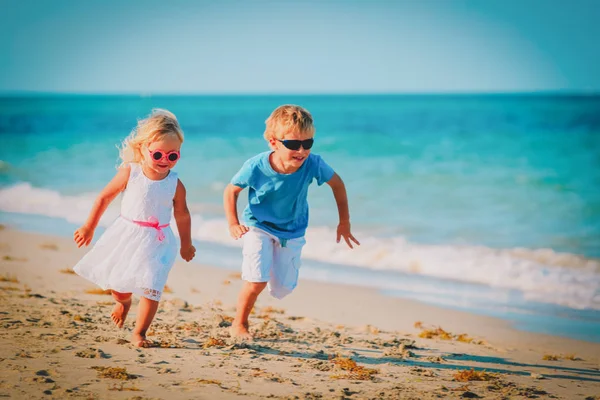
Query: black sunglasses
(295, 144)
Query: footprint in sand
(92, 353)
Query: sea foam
(540, 274)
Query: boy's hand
(188, 252)
(237, 231)
(83, 236)
(343, 230)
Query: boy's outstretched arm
(84, 235)
(184, 222)
(230, 197)
(341, 199)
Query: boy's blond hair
(159, 123)
(289, 118)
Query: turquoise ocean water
(488, 203)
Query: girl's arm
(341, 199)
(184, 222)
(230, 197)
(84, 235)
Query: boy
(277, 213)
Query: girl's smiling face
(168, 145)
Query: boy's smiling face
(287, 159)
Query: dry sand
(322, 342)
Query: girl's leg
(246, 300)
(119, 312)
(146, 311)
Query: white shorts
(267, 260)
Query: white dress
(129, 257)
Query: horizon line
(26, 93)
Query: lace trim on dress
(152, 294)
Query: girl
(137, 251)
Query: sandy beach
(323, 341)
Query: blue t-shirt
(277, 203)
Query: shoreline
(561, 324)
(55, 334)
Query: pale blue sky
(314, 46)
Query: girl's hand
(83, 236)
(188, 252)
(343, 230)
(237, 231)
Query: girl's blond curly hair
(150, 129)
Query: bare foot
(139, 340)
(120, 311)
(237, 331)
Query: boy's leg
(256, 272)
(146, 312)
(119, 312)
(286, 267)
(246, 300)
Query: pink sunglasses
(158, 155)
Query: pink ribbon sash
(151, 223)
